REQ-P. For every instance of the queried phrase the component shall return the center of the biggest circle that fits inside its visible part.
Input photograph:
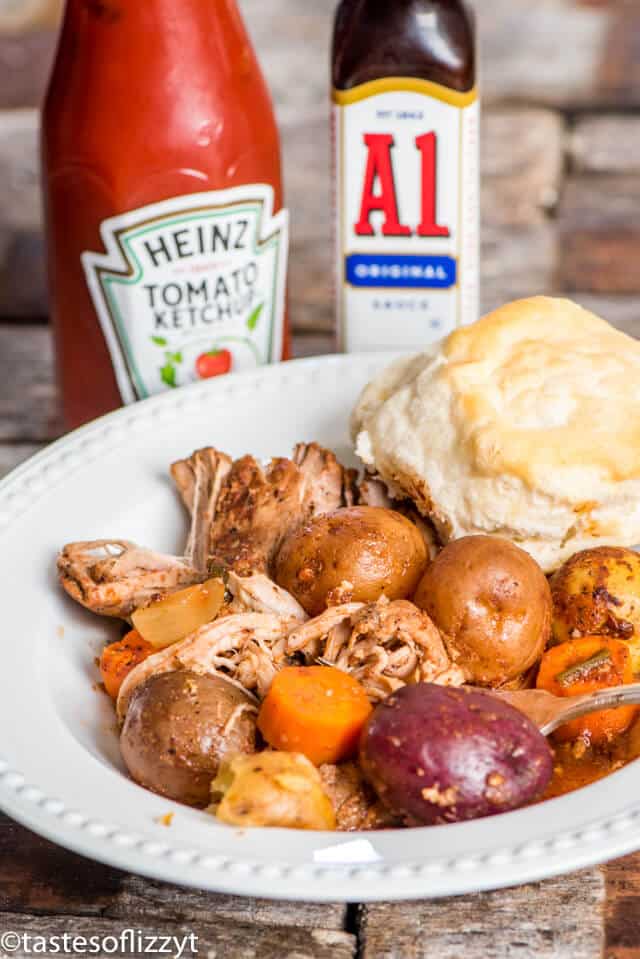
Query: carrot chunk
(582, 666)
(315, 710)
(118, 659)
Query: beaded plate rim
(594, 839)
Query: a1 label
(407, 212)
(191, 287)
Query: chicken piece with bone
(114, 577)
(384, 645)
(246, 649)
(254, 513)
(328, 485)
(240, 514)
(249, 509)
(199, 480)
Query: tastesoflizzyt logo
(127, 942)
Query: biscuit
(525, 425)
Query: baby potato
(358, 553)
(180, 727)
(492, 604)
(272, 789)
(597, 592)
(436, 754)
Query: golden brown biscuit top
(542, 384)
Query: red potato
(492, 604)
(436, 754)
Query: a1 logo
(379, 190)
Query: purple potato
(437, 754)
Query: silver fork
(548, 711)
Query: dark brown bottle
(406, 164)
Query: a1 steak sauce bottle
(406, 136)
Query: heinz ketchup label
(407, 208)
(191, 287)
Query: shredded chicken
(259, 594)
(199, 480)
(313, 636)
(354, 802)
(113, 577)
(246, 510)
(384, 645)
(247, 649)
(392, 644)
(372, 491)
(328, 485)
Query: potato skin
(375, 550)
(492, 604)
(597, 592)
(437, 754)
(174, 736)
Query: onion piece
(172, 618)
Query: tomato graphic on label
(213, 363)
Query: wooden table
(46, 890)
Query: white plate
(60, 772)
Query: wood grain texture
(146, 899)
(560, 53)
(618, 79)
(215, 940)
(19, 173)
(516, 262)
(622, 311)
(305, 145)
(25, 63)
(22, 273)
(17, 16)
(599, 235)
(522, 165)
(558, 919)
(292, 40)
(38, 877)
(12, 454)
(622, 917)
(608, 143)
(28, 410)
(547, 53)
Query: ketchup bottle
(167, 241)
(406, 164)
